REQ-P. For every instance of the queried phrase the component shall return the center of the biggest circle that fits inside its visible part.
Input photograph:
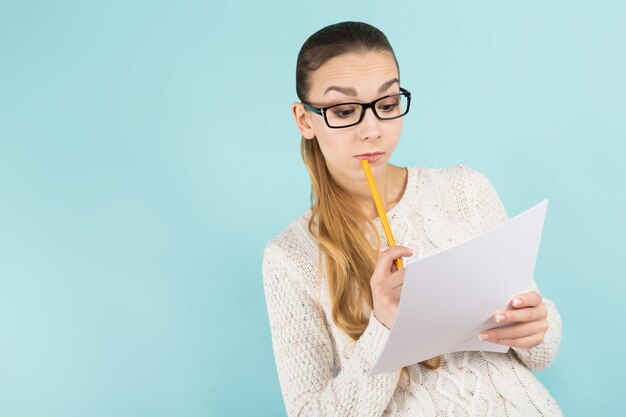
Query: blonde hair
(337, 222)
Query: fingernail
(517, 302)
(483, 336)
(500, 317)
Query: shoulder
(460, 194)
(292, 253)
(293, 239)
(459, 181)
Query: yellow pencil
(380, 208)
(432, 363)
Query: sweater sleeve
(304, 353)
(491, 212)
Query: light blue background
(147, 154)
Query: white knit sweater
(322, 372)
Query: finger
(529, 299)
(515, 331)
(524, 342)
(383, 288)
(522, 315)
(391, 297)
(387, 257)
(395, 293)
(392, 281)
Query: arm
(491, 212)
(304, 355)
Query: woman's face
(355, 77)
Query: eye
(343, 112)
(387, 106)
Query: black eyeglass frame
(364, 106)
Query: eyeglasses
(343, 115)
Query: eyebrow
(349, 91)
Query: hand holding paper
(450, 297)
(525, 322)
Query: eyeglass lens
(350, 113)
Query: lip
(371, 157)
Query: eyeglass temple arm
(313, 109)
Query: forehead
(364, 72)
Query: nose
(369, 128)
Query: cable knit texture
(322, 372)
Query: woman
(331, 286)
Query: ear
(303, 120)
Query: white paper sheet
(449, 297)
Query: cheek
(330, 144)
(330, 140)
(321, 131)
(394, 130)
